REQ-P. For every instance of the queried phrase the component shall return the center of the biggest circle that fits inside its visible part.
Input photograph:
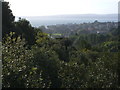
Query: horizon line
(68, 14)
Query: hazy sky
(56, 7)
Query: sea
(38, 21)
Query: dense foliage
(31, 59)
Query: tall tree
(7, 18)
(24, 28)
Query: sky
(60, 7)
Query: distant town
(66, 30)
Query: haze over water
(70, 19)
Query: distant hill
(74, 16)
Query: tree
(24, 28)
(47, 60)
(7, 18)
(19, 69)
(103, 72)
